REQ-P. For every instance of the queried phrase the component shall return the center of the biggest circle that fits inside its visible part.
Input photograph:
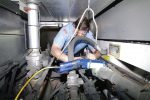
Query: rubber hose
(74, 42)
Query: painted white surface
(134, 54)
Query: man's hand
(56, 52)
(91, 56)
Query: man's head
(84, 26)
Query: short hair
(84, 25)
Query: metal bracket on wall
(114, 50)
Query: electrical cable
(27, 82)
(87, 9)
(89, 3)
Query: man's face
(81, 33)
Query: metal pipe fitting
(34, 57)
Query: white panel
(134, 54)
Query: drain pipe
(34, 56)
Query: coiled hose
(74, 43)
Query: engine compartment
(29, 72)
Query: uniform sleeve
(90, 36)
(60, 38)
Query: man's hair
(84, 25)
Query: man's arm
(56, 52)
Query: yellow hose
(17, 96)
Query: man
(64, 36)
